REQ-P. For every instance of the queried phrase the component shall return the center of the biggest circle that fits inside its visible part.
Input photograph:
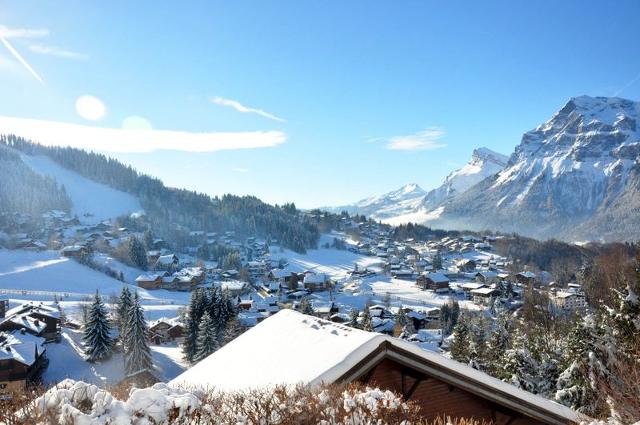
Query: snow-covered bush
(78, 403)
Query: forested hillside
(23, 190)
(167, 207)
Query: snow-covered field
(66, 361)
(92, 202)
(336, 263)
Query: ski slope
(92, 202)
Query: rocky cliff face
(484, 163)
(574, 177)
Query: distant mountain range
(576, 177)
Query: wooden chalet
(35, 319)
(22, 360)
(436, 282)
(334, 353)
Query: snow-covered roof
(21, 347)
(315, 278)
(472, 285)
(232, 285)
(324, 352)
(437, 277)
(484, 291)
(167, 259)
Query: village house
(35, 319)
(167, 262)
(434, 281)
(234, 288)
(484, 296)
(334, 353)
(22, 360)
(165, 330)
(74, 251)
(315, 282)
(470, 286)
(465, 265)
(150, 280)
(525, 278)
(568, 301)
(487, 277)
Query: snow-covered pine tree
(195, 311)
(460, 346)
(437, 261)
(122, 311)
(232, 330)
(137, 356)
(305, 307)
(137, 252)
(97, 332)
(353, 318)
(367, 324)
(207, 341)
(574, 387)
(478, 351)
(214, 300)
(499, 342)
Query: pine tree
(207, 340)
(437, 261)
(137, 252)
(213, 303)
(460, 346)
(147, 239)
(367, 324)
(122, 310)
(306, 307)
(137, 357)
(497, 345)
(574, 388)
(97, 332)
(192, 320)
(232, 330)
(353, 318)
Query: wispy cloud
(245, 109)
(428, 139)
(8, 33)
(240, 170)
(20, 59)
(43, 49)
(52, 133)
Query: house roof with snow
(328, 352)
(23, 348)
(315, 278)
(437, 277)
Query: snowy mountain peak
(485, 154)
(483, 163)
(576, 176)
(407, 189)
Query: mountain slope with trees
(171, 210)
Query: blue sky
(319, 102)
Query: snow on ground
(99, 201)
(336, 263)
(407, 292)
(130, 273)
(40, 275)
(47, 271)
(66, 361)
